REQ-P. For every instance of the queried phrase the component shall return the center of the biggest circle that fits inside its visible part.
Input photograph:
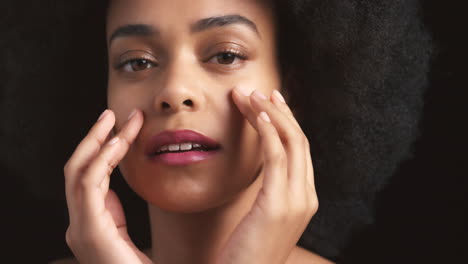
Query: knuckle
(303, 139)
(85, 183)
(125, 140)
(110, 159)
(313, 206)
(306, 142)
(288, 110)
(97, 141)
(67, 169)
(295, 136)
(109, 163)
(274, 210)
(278, 214)
(277, 157)
(299, 210)
(299, 135)
(69, 237)
(290, 133)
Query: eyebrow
(200, 25)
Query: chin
(189, 199)
(187, 191)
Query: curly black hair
(354, 71)
(357, 72)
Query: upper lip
(168, 137)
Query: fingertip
(110, 112)
(277, 95)
(106, 114)
(109, 119)
(264, 116)
(132, 114)
(141, 117)
(136, 114)
(240, 101)
(242, 90)
(257, 101)
(238, 96)
(103, 115)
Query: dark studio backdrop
(420, 213)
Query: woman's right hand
(98, 232)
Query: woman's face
(187, 57)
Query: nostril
(188, 102)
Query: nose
(180, 89)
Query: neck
(197, 237)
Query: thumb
(113, 205)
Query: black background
(421, 216)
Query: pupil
(139, 64)
(226, 58)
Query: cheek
(122, 103)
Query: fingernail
(259, 95)
(279, 96)
(243, 90)
(102, 115)
(265, 117)
(132, 114)
(113, 141)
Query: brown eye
(134, 65)
(226, 58)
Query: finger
(83, 154)
(240, 96)
(310, 171)
(114, 206)
(289, 133)
(309, 195)
(275, 161)
(292, 137)
(278, 100)
(91, 143)
(100, 169)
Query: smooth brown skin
(248, 204)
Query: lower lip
(183, 158)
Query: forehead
(179, 15)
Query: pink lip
(177, 137)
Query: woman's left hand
(287, 200)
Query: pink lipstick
(181, 147)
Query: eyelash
(126, 62)
(238, 54)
